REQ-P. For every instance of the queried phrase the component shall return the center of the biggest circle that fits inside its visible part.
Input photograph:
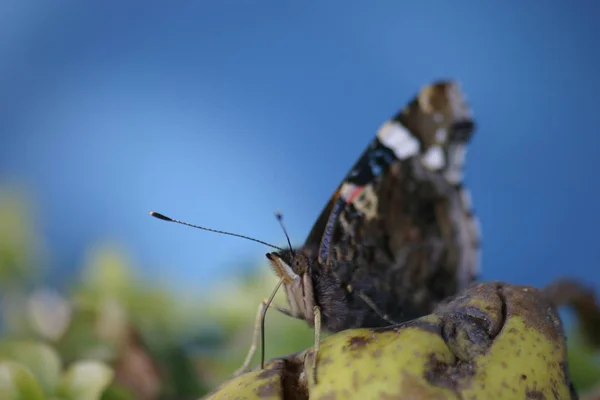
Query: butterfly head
(295, 271)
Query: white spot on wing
(396, 137)
(441, 135)
(453, 175)
(434, 158)
(456, 161)
(465, 195)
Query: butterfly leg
(373, 306)
(317, 313)
(368, 302)
(255, 337)
(285, 311)
(257, 333)
(317, 321)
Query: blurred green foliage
(584, 362)
(115, 336)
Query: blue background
(221, 113)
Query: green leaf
(85, 380)
(41, 360)
(583, 363)
(116, 392)
(18, 383)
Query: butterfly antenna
(279, 217)
(165, 218)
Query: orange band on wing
(354, 193)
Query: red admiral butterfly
(398, 235)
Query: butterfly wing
(399, 227)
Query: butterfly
(397, 236)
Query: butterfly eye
(300, 264)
